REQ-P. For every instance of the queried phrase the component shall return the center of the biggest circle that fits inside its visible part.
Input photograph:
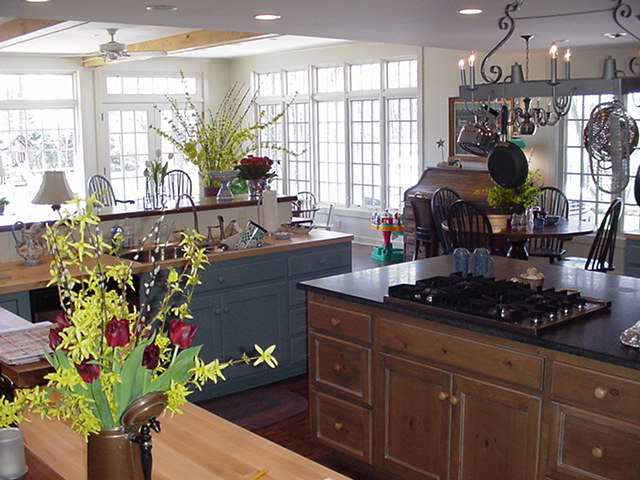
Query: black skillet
(507, 163)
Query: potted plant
(216, 140)
(510, 201)
(3, 203)
(257, 173)
(111, 358)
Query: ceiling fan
(113, 50)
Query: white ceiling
(313, 23)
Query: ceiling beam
(196, 40)
(183, 42)
(19, 27)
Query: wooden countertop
(136, 210)
(197, 445)
(596, 336)
(15, 276)
(634, 235)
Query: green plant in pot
(217, 140)
(515, 200)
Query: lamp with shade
(54, 190)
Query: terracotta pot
(499, 221)
(111, 456)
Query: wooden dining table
(564, 229)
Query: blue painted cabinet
(18, 303)
(254, 300)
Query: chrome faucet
(193, 208)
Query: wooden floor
(294, 433)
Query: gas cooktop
(501, 303)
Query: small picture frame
(462, 112)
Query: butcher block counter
(423, 395)
(195, 446)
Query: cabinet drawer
(327, 259)
(599, 390)
(342, 426)
(340, 322)
(498, 362)
(587, 446)
(341, 366)
(218, 276)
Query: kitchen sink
(170, 251)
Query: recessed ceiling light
(268, 16)
(161, 8)
(36, 1)
(470, 11)
(615, 34)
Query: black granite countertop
(595, 336)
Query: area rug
(257, 408)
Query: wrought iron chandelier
(527, 118)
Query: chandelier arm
(505, 23)
(561, 105)
(634, 64)
(623, 10)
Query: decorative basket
(532, 282)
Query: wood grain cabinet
(340, 378)
(594, 427)
(437, 422)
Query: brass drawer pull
(600, 393)
(337, 426)
(597, 452)
(338, 367)
(334, 322)
(442, 396)
(453, 400)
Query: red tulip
(151, 356)
(62, 321)
(117, 332)
(54, 338)
(181, 333)
(88, 371)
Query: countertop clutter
(15, 276)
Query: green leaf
(130, 388)
(178, 371)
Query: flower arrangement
(156, 171)
(515, 200)
(106, 352)
(216, 140)
(252, 167)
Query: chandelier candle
(463, 77)
(554, 64)
(567, 65)
(472, 71)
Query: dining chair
(100, 186)
(554, 202)
(6, 387)
(307, 205)
(328, 224)
(469, 227)
(441, 199)
(423, 233)
(600, 258)
(176, 183)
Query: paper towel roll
(269, 210)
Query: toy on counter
(390, 225)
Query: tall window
(130, 104)
(357, 125)
(38, 132)
(586, 200)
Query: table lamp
(54, 190)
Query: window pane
(331, 160)
(365, 158)
(403, 161)
(299, 173)
(402, 74)
(330, 79)
(297, 82)
(36, 87)
(365, 76)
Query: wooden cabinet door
(495, 432)
(413, 415)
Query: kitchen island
(246, 297)
(422, 395)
